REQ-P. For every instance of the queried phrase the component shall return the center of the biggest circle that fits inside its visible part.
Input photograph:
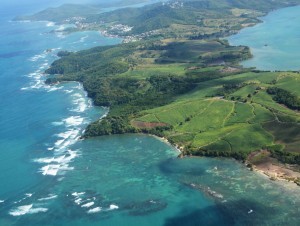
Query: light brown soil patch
(264, 163)
(230, 70)
(147, 125)
(193, 68)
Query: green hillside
(187, 86)
(195, 19)
(190, 91)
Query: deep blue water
(49, 177)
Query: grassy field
(246, 119)
(147, 70)
(285, 133)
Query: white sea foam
(27, 195)
(94, 210)
(73, 121)
(60, 28)
(65, 168)
(38, 57)
(59, 142)
(65, 145)
(78, 193)
(56, 164)
(103, 116)
(54, 88)
(68, 91)
(27, 209)
(50, 196)
(82, 39)
(50, 24)
(37, 210)
(79, 101)
(90, 103)
(50, 160)
(113, 207)
(81, 107)
(21, 210)
(50, 170)
(37, 81)
(57, 123)
(59, 163)
(78, 201)
(69, 138)
(69, 134)
(34, 74)
(76, 95)
(87, 205)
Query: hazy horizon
(32, 6)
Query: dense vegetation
(102, 69)
(285, 97)
(189, 90)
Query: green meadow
(244, 119)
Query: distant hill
(188, 12)
(66, 11)
(61, 13)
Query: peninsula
(181, 80)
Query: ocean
(50, 177)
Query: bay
(274, 43)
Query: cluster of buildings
(173, 5)
(116, 30)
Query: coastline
(278, 176)
(166, 141)
(270, 168)
(263, 163)
(273, 171)
(123, 179)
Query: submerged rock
(145, 207)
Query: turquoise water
(275, 42)
(50, 177)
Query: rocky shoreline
(264, 163)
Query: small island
(177, 78)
